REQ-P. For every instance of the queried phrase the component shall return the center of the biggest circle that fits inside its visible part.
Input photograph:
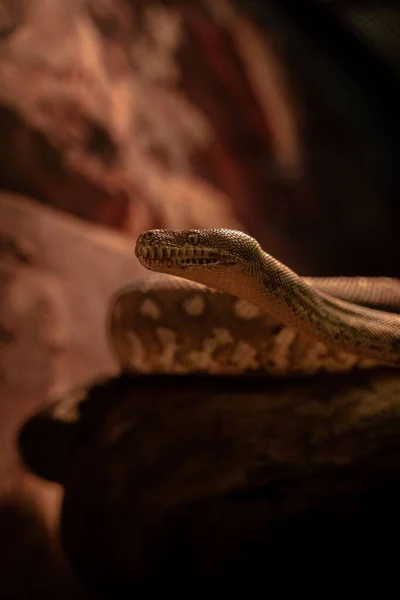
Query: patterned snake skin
(244, 312)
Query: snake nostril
(192, 239)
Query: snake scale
(220, 304)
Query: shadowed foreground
(195, 485)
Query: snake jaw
(166, 257)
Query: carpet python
(221, 305)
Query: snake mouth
(155, 256)
(178, 262)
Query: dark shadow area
(31, 565)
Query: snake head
(195, 252)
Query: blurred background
(279, 118)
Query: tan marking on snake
(137, 352)
(246, 310)
(150, 309)
(205, 358)
(282, 343)
(168, 339)
(194, 305)
(245, 356)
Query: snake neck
(341, 325)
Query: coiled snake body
(246, 311)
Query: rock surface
(177, 483)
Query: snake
(216, 302)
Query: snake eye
(192, 239)
(147, 236)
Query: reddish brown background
(118, 116)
